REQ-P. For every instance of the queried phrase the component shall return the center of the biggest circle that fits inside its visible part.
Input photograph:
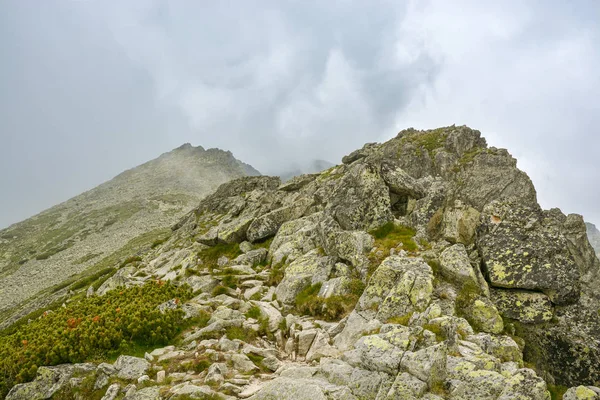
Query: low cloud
(280, 83)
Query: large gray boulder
(48, 381)
(521, 250)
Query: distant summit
(69, 238)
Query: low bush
(94, 328)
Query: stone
(483, 315)
(406, 386)
(307, 270)
(268, 224)
(456, 266)
(290, 389)
(111, 392)
(90, 292)
(246, 246)
(149, 393)
(399, 286)
(522, 250)
(581, 393)
(361, 200)
(131, 367)
(271, 363)
(252, 257)
(243, 364)
(527, 307)
(215, 374)
(378, 354)
(320, 347)
(459, 223)
(271, 313)
(428, 365)
(48, 381)
(160, 376)
(502, 347)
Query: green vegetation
(211, 255)
(87, 258)
(401, 320)
(428, 140)
(276, 273)
(265, 243)
(556, 391)
(387, 237)
(94, 328)
(332, 308)
(253, 312)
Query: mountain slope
(67, 239)
(422, 267)
(593, 236)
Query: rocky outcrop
(422, 267)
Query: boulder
(131, 367)
(522, 250)
(582, 393)
(456, 266)
(48, 381)
(307, 270)
(527, 307)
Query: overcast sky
(90, 88)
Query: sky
(91, 88)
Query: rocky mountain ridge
(420, 268)
(68, 239)
(593, 236)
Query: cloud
(281, 83)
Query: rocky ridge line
(471, 290)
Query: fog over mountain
(88, 89)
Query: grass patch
(429, 140)
(276, 273)
(253, 312)
(389, 236)
(245, 335)
(332, 308)
(557, 391)
(211, 255)
(265, 243)
(219, 290)
(401, 320)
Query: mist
(89, 89)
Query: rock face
(73, 236)
(422, 267)
(593, 236)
